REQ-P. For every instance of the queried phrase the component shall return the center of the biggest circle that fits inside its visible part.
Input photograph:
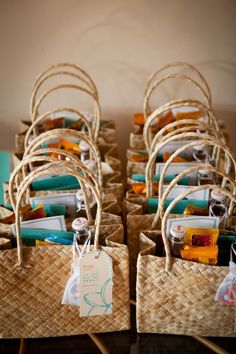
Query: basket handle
(35, 157)
(46, 115)
(88, 79)
(61, 133)
(167, 78)
(57, 73)
(149, 171)
(188, 125)
(36, 174)
(72, 164)
(177, 104)
(210, 168)
(96, 125)
(168, 264)
(180, 64)
(222, 147)
(190, 128)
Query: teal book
(60, 182)
(167, 179)
(178, 208)
(29, 236)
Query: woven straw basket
(33, 281)
(175, 296)
(135, 206)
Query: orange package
(138, 119)
(43, 243)
(165, 119)
(65, 145)
(77, 125)
(139, 158)
(205, 255)
(69, 145)
(140, 188)
(37, 213)
(11, 219)
(193, 210)
(162, 120)
(167, 154)
(188, 115)
(53, 123)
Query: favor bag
(172, 137)
(35, 278)
(154, 82)
(175, 296)
(136, 207)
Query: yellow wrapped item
(205, 255)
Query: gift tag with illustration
(95, 284)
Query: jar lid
(79, 224)
(199, 147)
(84, 147)
(205, 173)
(217, 195)
(178, 231)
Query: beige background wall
(119, 43)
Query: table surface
(127, 342)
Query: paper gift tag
(202, 222)
(202, 195)
(95, 284)
(176, 168)
(68, 199)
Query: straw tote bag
(33, 281)
(175, 296)
(107, 128)
(104, 132)
(172, 129)
(154, 82)
(135, 206)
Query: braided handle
(57, 73)
(207, 111)
(61, 133)
(201, 138)
(46, 115)
(173, 183)
(188, 125)
(40, 173)
(88, 81)
(165, 78)
(185, 65)
(76, 87)
(168, 264)
(35, 157)
(228, 156)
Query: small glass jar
(82, 230)
(205, 177)
(177, 236)
(218, 207)
(84, 148)
(200, 154)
